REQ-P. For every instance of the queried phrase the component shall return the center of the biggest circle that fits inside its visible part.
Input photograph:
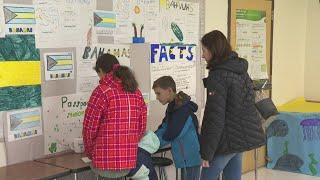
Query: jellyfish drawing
(311, 129)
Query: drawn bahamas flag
(59, 65)
(19, 19)
(104, 19)
(24, 123)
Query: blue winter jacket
(179, 129)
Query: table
(32, 170)
(71, 161)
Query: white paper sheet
(87, 84)
(24, 123)
(19, 19)
(179, 22)
(178, 61)
(63, 23)
(146, 13)
(59, 65)
(2, 24)
(251, 41)
(122, 8)
(63, 117)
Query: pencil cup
(138, 39)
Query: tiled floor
(263, 174)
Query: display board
(61, 42)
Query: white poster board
(63, 120)
(179, 22)
(137, 21)
(63, 23)
(178, 61)
(145, 17)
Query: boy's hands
(205, 163)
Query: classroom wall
(216, 15)
(289, 42)
(312, 63)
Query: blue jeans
(190, 173)
(230, 164)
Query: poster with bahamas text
(179, 22)
(87, 78)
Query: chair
(161, 163)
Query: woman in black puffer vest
(231, 123)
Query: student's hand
(205, 163)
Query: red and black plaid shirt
(113, 123)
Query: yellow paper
(19, 73)
(163, 3)
(108, 20)
(27, 15)
(300, 105)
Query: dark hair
(165, 82)
(107, 63)
(218, 45)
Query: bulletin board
(69, 36)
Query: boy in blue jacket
(179, 127)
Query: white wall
(216, 16)
(289, 37)
(312, 63)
